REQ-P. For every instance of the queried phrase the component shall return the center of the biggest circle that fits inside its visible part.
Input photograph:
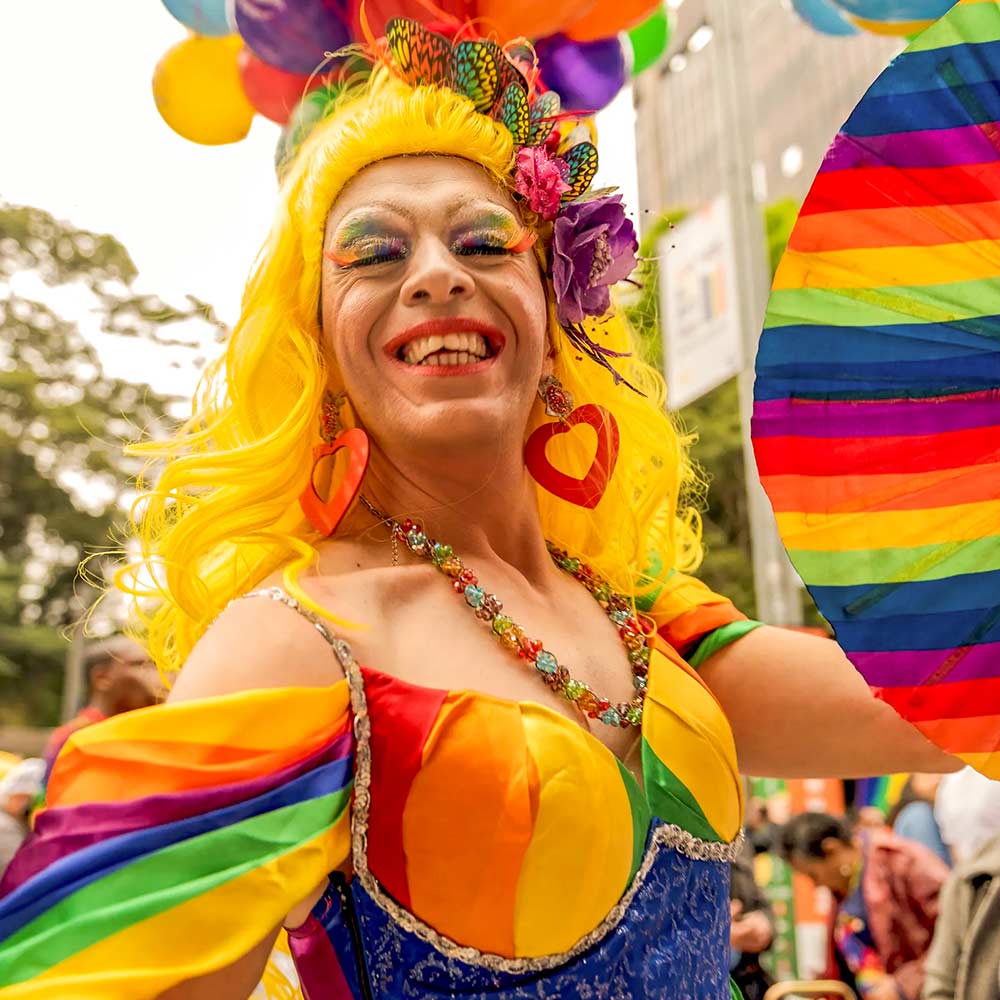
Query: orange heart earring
(325, 515)
(588, 491)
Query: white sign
(699, 316)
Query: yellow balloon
(893, 28)
(197, 89)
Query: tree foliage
(64, 482)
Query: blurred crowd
(916, 891)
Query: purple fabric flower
(593, 246)
(541, 178)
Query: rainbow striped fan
(877, 404)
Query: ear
(830, 846)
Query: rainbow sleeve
(174, 840)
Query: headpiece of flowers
(593, 243)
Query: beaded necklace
(488, 608)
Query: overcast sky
(81, 138)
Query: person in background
(751, 931)
(913, 815)
(886, 891)
(121, 677)
(967, 810)
(964, 960)
(19, 788)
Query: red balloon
(273, 92)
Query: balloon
(893, 28)
(509, 19)
(649, 41)
(606, 18)
(586, 75)
(897, 10)
(380, 12)
(197, 90)
(292, 35)
(824, 16)
(206, 17)
(273, 92)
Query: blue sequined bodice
(672, 940)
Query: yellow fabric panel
(200, 936)
(578, 862)
(685, 727)
(985, 763)
(468, 822)
(888, 529)
(293, 713)
(884, 267)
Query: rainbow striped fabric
(177, 837)
(877, 417)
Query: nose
(436, 276)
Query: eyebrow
(403, 209)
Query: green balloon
(649, 40)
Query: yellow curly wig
(224, 512)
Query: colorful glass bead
(610, 717)
(511, 638)
(452, 566)
(640, 670)
(574, 689)
(588, 702)
(440, 552)
(490, 608)
(530, 648)
(416, 540)
(632, 640)
(501, 623)
(618, 616)
(639, 683)
(602, 593)
(474, 595)
(634, 715)
(570, 565)
(546, 662)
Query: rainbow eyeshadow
(493, 232)
(366, 240)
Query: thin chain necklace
(488, 608)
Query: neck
(487, 512)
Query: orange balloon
(607, 17)
(530, 18)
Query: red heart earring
(325, 515)
(588, 491)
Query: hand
(752, 933)
(884, 990)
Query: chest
(425, 634)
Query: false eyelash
(366, 252)
(494, 241)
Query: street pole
(777, 588)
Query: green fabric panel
(922, 562)
(720, 638)
(149, 886)
(670, 800)
(640, 817)
(978, 22)
(883, 306)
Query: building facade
(803, 86)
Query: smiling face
(433, 304)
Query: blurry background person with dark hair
(19, 788)
(751, 931)
(913, 817)
(886, 890)
(121, 677)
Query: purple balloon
(586, 75)
(292, 35)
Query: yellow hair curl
(224, 512)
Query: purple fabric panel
(320, 973)
(911, 668)
(932, 148)
(778, 417)
(61, 831)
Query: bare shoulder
(263, 641)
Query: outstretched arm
(799, 709)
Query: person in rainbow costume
(433, 791)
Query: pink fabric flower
(541, 178)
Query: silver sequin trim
(667, 836)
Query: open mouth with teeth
(446, 349)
